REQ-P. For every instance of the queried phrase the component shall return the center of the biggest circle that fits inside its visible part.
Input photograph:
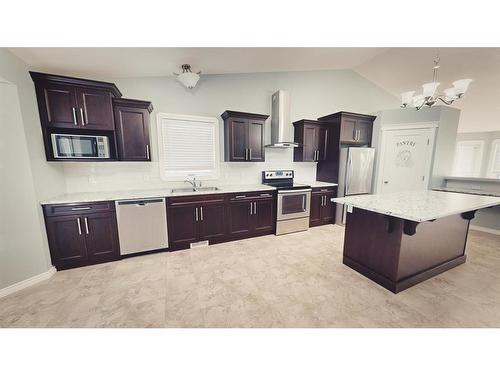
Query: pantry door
(405, 159)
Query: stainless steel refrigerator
(355, 175)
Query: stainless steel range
(294, 201)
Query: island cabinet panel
(81, 234)
(132, 129)
(322, 209)
(398, 253)
(243, 136)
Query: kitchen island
(401, 239)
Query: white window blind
(188, 146)
(494, 168)
(468, 158)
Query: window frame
(479, 162)
(182, 175)
(494, 144)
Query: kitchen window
(468, 158)
(494, 165)
(188, 145)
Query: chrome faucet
(192, 182)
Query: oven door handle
(294, 191)
(304, 203)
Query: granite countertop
(472, 179)
(318, 184)
(419, 205)
(152, 193)
(469, 191)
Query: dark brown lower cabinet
(81, 235)
(218, 218)
(322, 208)
(195, 218)
(251, 214)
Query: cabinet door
(256, 140)
(238, 139)
(96, 108)
(348, 130)
(101, 237)
(322, 142)
(315, 212)
(239, 218)
(182, 226)
(263, 216)
(310, 145)
(132, 133)
(328, 209)
(364, 131)
(212, 222)
(67, 241)
(58, 105)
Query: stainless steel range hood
(281, 127)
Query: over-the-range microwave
(72, 146)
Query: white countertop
(420, 205)
(469, 191)
(472, 179)
(152, 193)
(318, 184)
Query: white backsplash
(91, 177)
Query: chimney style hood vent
(281, 127)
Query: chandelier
(430, 95)
(187, 77)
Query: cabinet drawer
(321, 190)
(253, 195)
(78, 208)
(195, 199)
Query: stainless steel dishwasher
(142, 225)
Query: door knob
(386, 182)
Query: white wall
(312, 94)
(446, 118)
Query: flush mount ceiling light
(187, 77)
(430, 95)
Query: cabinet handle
(83, 118)
(196, 213)
(354, 133)
(322, 199)
(147, 152)
(246, 154)
(86, 225)
(240, 196)
(251, 208)
(304, 202)
(201, 213)
(249, 154)
(254, 208)
(74, 117)
(79, 226)
(80, 208)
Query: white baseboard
(28, 282)
(485, 229)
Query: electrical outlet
(92, 180)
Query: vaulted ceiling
(394, 69)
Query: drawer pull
(240, 196)
(80, 208)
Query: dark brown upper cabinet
(74, 103)
(355, 128)
(132, 129)
(243, 136)
(312, 138)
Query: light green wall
(25, 177)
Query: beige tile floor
(296, 280)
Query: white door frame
(384, 131)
